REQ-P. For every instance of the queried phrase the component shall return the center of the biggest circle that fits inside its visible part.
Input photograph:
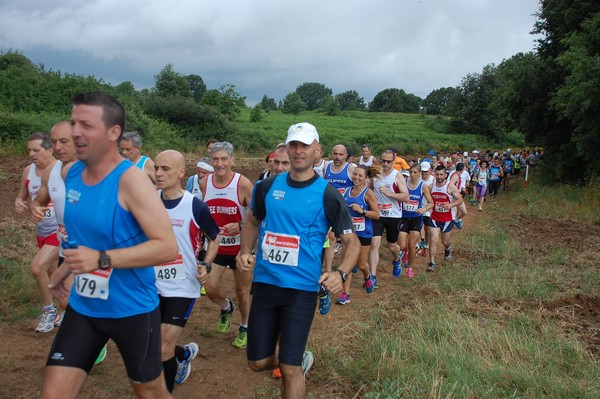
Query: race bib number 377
(281, 249)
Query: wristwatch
(208, 265)
(364, 212)
(343, 274)
(104, 261)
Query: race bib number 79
(281, 249)
(94, 284)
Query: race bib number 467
(281, 249)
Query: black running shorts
(81, 338)
(279, 313)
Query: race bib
(49, 213)
(410, 206)
(174, 270)
(385, 209)
(94, 284)
(281, 249)
(228, 240)
(440, 209)
(359, 223)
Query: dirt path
(220, 371)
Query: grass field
(410, 134)
(503, 320)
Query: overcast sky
(272, 46)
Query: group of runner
(125, 248)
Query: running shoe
(277, 373)
(343, 299)
(409, 272)
(369, 285)
(431, 267)
(324, 303)
(397, 269)
(447, 254)
(184, 367)
(459, 224)
(375, 283)
(337, 247)
(101, 356)
(422, 244)
(425, 252)
(355, 269)
(307, 361)
(241, 341)
(59, 319)
(224, 322)
(405, 259)
(202, 291)
(479, 207)
(46, 321)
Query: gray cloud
(272, 46)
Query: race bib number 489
(281, 249)
(174, 270)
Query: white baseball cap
(465, 154)
(425, 166)
(303, 132)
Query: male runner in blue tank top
(131, 148)
(119, 229)
(290, 215)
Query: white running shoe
(46, 321)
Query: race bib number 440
(281, 249)
(94, 284)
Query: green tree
(331, 106)
(313, 94)
(256, 113)
(197, 87)
(170, 83)
(350, 101)
(292, 104)
(472, 108)
(436, 102)
(226, 100)
(395, 100)
(268, 103)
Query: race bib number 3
(281, 249)
(94, 284)
(174, 270)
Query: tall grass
(478, 328)
(411, 134)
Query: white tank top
(225, 207)
(319, 168)
(58, 194)
(388, 207)
(429, 183)
(178, 278)
(49, 224)
(369, 162)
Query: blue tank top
(141, 162)
(95, 219)
(415, 201)
(494, 173)
(292, 235)
(507, 164)
(362, 224)
(472, 164)
(339, 180)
